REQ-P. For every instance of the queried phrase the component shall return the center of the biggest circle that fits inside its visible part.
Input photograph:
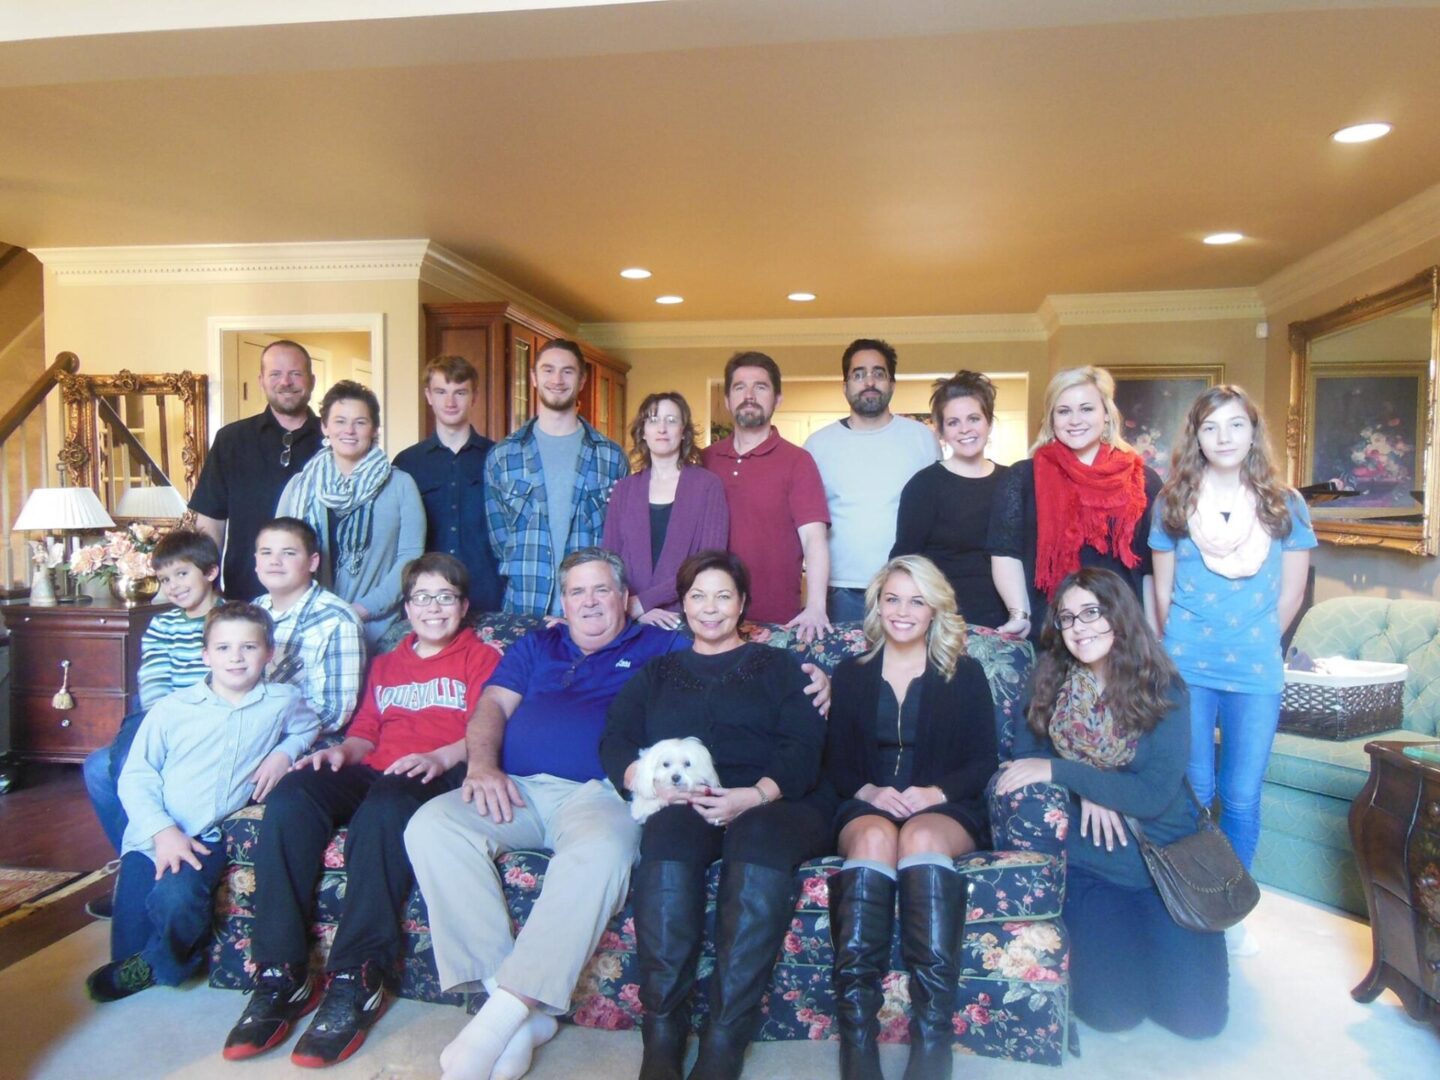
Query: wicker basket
(1355, 697)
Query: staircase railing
(25, 465)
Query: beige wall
(1352, 571)
(1231, 342)
(162, 327)
(686, 370)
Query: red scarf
(1075, 504)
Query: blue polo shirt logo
(622, 663)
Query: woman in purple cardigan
(666, 511)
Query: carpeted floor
(1291, 1016)
(19, 885)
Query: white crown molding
(463, 280)
(733, 333)
(1403, 228)
(350, 260)
(1179, 305)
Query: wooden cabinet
(1395, 829)
(502, 341)
(102, 643)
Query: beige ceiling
(948, 170)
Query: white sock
(514, 1060)
(473, 1053)
(1239, 941)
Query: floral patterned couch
(1014, 979)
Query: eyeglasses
(285, 441)
(425, 599)
(864, 375)
(655, 420)
(1091, 613)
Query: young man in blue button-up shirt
(449, 470)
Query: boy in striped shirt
(187, 564)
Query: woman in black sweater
(945, 507)
(747, 703)
(910, 747)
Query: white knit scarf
(1233, 548)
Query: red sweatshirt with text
(413, 704)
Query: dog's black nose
(675, 778)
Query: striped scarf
(350, 498)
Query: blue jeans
(844, 604)
(166, 921)
(1130, 960)
(1247, 728)
(102, 779)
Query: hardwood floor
(46, 823)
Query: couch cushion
(1336, 769)
(1393, 631)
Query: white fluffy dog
(670, 765)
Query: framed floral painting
(1153, 402)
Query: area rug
(19, 886)
(1291, 1018)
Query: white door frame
(217, 326)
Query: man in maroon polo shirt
(779, 518)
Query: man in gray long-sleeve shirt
(200, 755)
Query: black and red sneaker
(283, 993)
(355, 1000)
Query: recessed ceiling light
(1224, 238)
(669, 299)
(635, 273)
(1361, 133)
(801, 297)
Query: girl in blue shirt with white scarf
(1231, 553)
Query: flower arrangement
(122, 554)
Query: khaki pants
(453, 849)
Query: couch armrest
(1032, 818)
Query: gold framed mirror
(1361, 432)
(129, 437)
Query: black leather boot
(932, 925)
(669, 905)
(756, 904)
(862, 913)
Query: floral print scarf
(1083, 729)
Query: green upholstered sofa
(1310, 783)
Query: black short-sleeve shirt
(241, 484)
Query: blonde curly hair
(945, 640)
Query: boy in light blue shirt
(201, 754)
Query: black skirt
(979, 829)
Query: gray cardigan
(398, 537)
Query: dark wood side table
(1395, 829)
(102, 642)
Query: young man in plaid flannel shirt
(548, 483)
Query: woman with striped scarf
(368, 516)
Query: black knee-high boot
(669, 904)
(862, 914)
(756, 903)
(932, 925)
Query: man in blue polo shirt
(534, 780)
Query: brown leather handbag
(1202, 881)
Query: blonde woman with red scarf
(1231, 549)
(1083, 499)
